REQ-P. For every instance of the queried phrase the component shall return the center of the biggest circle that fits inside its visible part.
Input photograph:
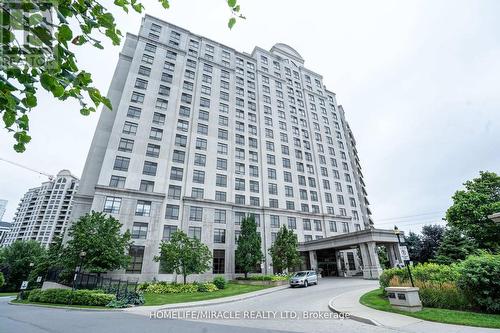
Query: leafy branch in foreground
(35, 39)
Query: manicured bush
(422, 272)
(207, 287)
(220, 282)
(264, 277)
(480, 281)
(169, 288)
(117, 304)
(133, 298)
(436, 294)
(66, 296)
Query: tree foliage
(431, 239)
(100, 237)
(471, 208)
(15, 262)
(454, 247)
(284, 252)
(248, 252)
(414, 244)
(184, 255)
(45, 57)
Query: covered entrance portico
(364, 242)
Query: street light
(78, 269)
(406, 262)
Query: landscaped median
(467, 293)
(376, 299)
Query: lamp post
(406, 262)
(78, 269)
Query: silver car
(304, 278)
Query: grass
(375, 299)
(8, 294)
(230, 290)
(65, 305)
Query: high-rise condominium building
(44, 211)
(202, 135)
(3, 206)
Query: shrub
(422, 272)
(133, 298)
(117, 304)
(434, 294)
(207, 287)
(264, 277)
(480, 281)
(171, 288)
(143, 286)
(65, 296)
(220, 282)
(2, 280)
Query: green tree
(2, 280)
(284, 252)
(50, 259)
(414, 244)
(471, 208)
(454, 247)
(248, 252)
(431, 238)
(16, 259)
(383, 257)
(184, 255)
(100, 237)
(46, 59)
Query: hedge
(176, 288)
(263, 277)
(67, 296)
(473, 284)
(480, 281)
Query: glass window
(172, 212)
(112, 205)
(168, 230)
(143, 208)
(139, 230)
(136, 254)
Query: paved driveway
(314, 298)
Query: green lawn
(375, 299)
(231, 290)
(8, 294)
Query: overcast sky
(419, 81)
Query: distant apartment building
(4, 230)
(3, 207)
(43, 212)
(202, 135)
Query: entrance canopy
(365, 241)
(350, 240)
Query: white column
(313, 260)
(375, 268)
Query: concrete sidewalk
(146, 310)
(349, 302)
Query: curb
(353, 317)
(65, 307)
(217, 301)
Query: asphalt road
(273, 307)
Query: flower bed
(176, 288)
(474, 284)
